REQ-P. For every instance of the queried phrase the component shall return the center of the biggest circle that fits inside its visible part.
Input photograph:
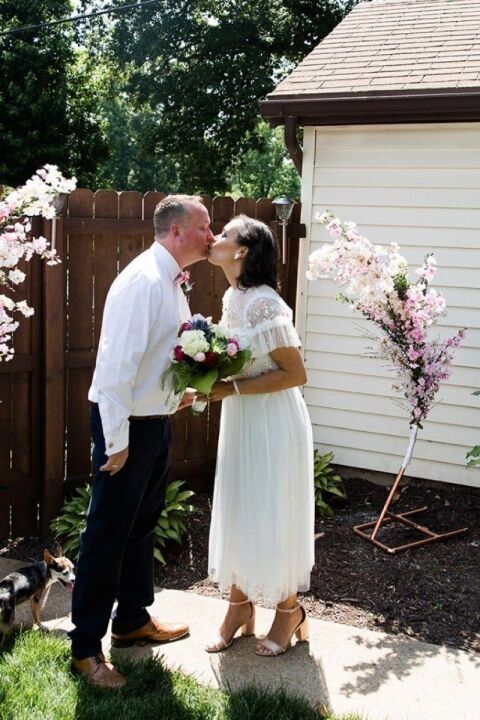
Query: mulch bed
(431, 593)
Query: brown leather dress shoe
(153, 631)
(97, 671)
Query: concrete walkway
(379, 676)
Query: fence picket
(80, 335)
(106, 256)
(129, 246)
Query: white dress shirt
(143, 311)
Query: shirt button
(110, 444)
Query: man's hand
(187, 399)
(115, 462)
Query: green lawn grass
(36, 684)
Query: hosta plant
(71, 522)
(327, 483)
(171, 524)
(473, 455)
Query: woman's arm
(290, 373)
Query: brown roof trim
(452, 105)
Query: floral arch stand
(403, 518)
(375, 282)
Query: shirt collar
(165, 260)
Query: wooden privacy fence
(44, 426)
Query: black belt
(148, 417)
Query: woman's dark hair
(260, 264)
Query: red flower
(185, 326)
(210, 359)
(178, 353)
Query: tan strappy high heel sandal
(247, 629)
(301, 631)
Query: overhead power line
(77, 18)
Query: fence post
(51, 497)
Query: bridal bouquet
(375, 282)
(204, 353)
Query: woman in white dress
(262, 531)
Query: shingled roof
(417, 59)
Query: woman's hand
(219, 391)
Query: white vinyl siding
(418, 186)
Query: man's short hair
(173, 209)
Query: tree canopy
(47, 106)
(201, 67)
(164, 97)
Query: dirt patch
(431, 593)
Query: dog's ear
(47, 556)
(58, 549)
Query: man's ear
(175, 229)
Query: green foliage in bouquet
(473, 455)
(71, 522)
(326, 482)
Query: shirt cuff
(116, 443)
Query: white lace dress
(262, 530)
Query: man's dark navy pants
(116, 549)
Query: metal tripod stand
(404, 518)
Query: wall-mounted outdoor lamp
(283, 209)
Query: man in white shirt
(131, 435)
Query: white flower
(4, 247)
(24, 308)
(193, 342)
(6, 302)
(16, 276)
(219, 331)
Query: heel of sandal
(302, 632)
(249, 627)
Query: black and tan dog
(32, 583)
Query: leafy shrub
(69, 525)
(171, 525)
(326, 483)
(473, 455)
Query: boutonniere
(183, 280)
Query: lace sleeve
(269, 323)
